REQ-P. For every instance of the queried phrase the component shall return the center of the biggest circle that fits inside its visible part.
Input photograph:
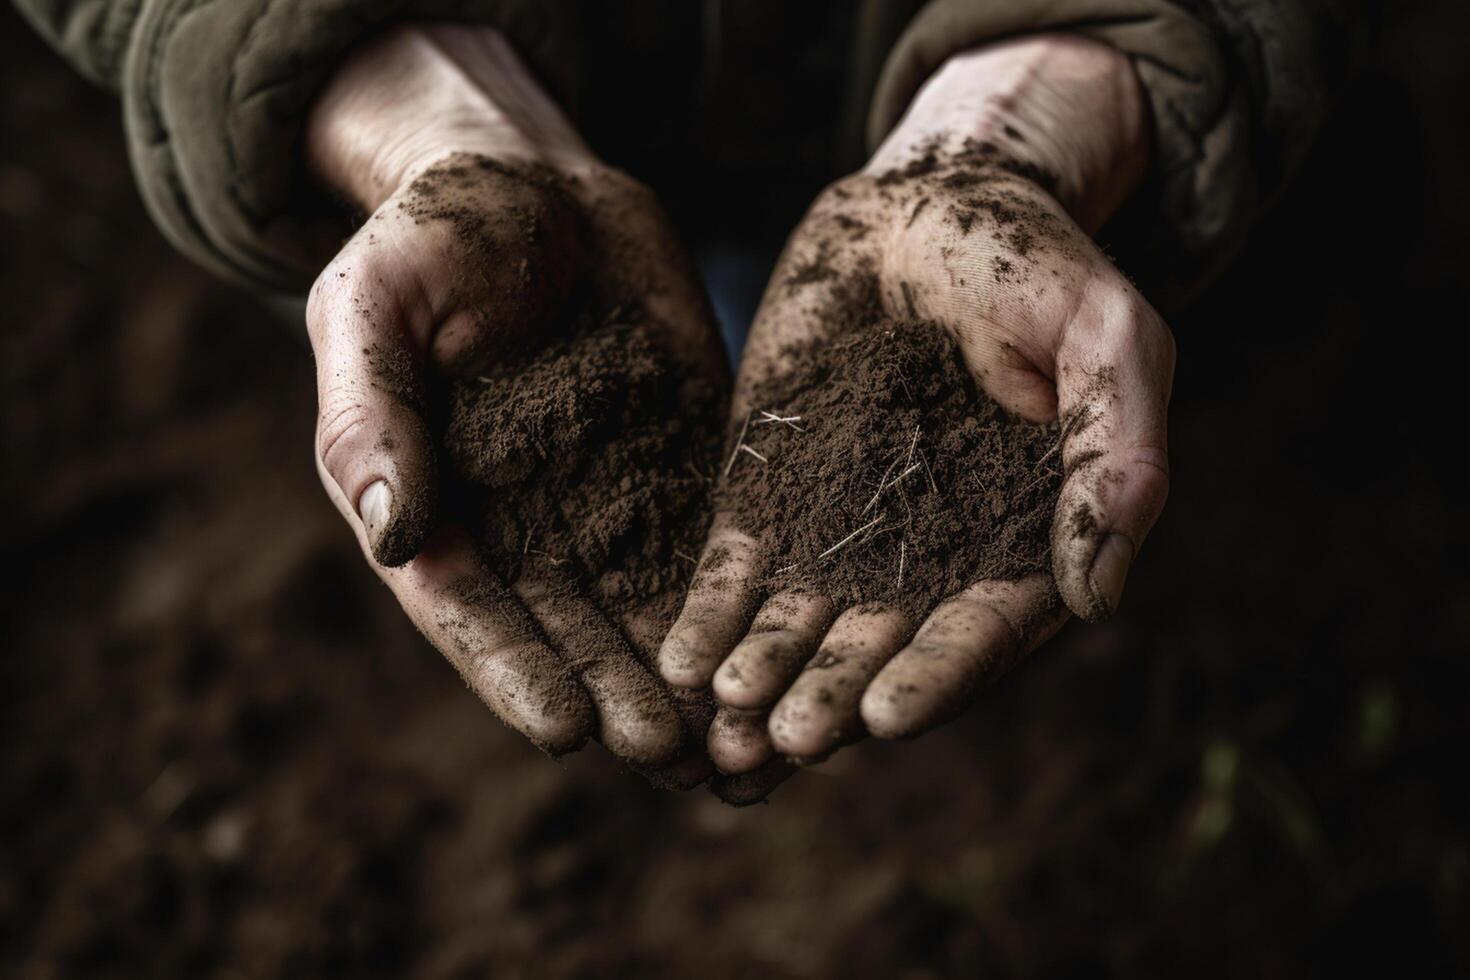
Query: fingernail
(374, 506)
(1110, 571)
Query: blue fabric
(735, 276)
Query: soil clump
(594, 456)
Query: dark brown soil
(592, 457)
(897, 480)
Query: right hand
(479, 191)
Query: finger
(781, 640)
(748, 788)
(489, 638)
(645, 628)
(716, 611)
(480, 628)
(821, 711)
(691, 768)
(637, 721)
(371, 439)
(968, 641)
(1114, 373)
(695, 705)
(739, 741)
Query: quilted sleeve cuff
(1203, 190)
(215, 94)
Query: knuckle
(623, 182)
(1132, 327)
(611, 185)
(342, 292)
(340, 422)
(331, 285)
(839, 195)
(1168, 347)
(1150, 465)
(1151, 458)
(1145, 329)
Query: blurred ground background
(226, 754)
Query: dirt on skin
(964, 177)
(528, 253)
(877, 471)
(395, 374)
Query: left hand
(1068, 142)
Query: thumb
(1115, 368)
(372, 440)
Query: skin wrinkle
(337, 434)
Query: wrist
(1062, 107)
(421, 93)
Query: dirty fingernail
(374, 507)
(1110, 571)
(678, 664)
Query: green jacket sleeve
(214, 93)
(1237, 87)
(92, 34)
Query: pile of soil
(894, 478)
(593, 456)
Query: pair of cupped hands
(794, 675)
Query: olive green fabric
(214, 93)
(1238, 89)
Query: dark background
(226, 753)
